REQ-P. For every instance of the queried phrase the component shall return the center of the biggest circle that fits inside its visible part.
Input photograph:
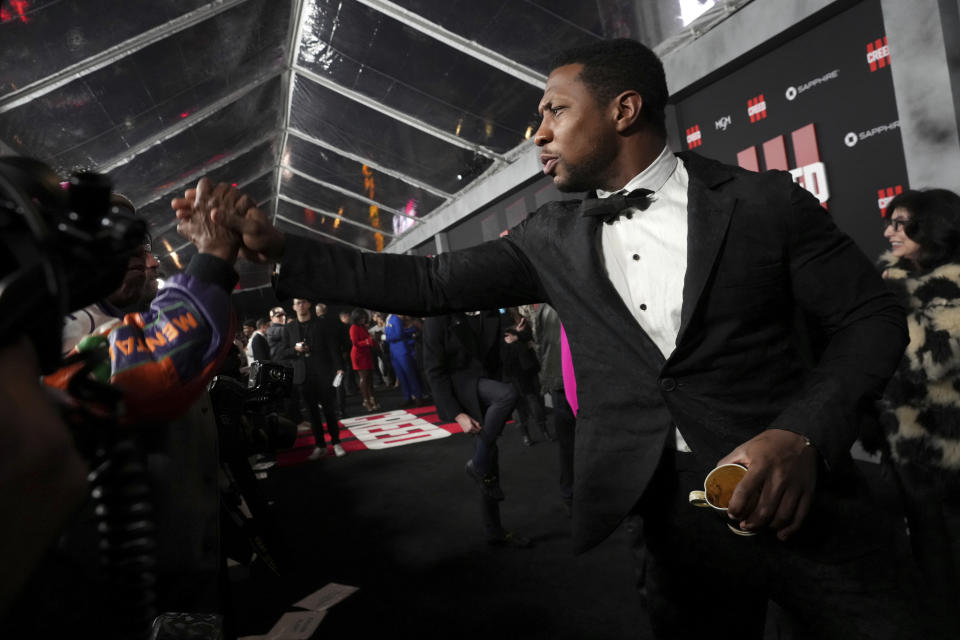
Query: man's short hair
(249, 322)
(611, 67)
(276, 311)
(262, 322)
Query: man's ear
(627, 107)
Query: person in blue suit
(401, 341)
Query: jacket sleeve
(163, 358)
(360, 337)
(862, 322)
(491, 275)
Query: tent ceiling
(350, 120)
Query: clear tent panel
(523, 30)
(323, 200)
(365, 51)
(359, 130)
(260, 189)
(251, 168)
(198, 148)
(356, 177)
(36, 44)
(308, 223)
(95, 119)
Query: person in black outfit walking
(316, 362)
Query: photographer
(42, 477)
(161, 361)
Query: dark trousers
(699, 580)
(564, 424)
(933, 518)
(497, 400)
(313, 392)
(530, 409)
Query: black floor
(403, 525)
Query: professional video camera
(60, 249)
(248, 416)
(249, 424)
(63, 247)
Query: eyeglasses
(898, 223)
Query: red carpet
(381, 430)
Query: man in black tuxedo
(679, 314)
(258, 348)
(461, 354)
(315, 355)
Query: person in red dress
(361, 355)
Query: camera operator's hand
(301, 347)
(200, 227)
(237, 213)
(42, 477)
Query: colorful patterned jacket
(163, 358)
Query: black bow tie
(612, 206)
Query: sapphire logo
(852, 138)
(694, 138)
(884, 196)
(878, 54)
(723, 123)
(809, 172)
(757, 108)
(792, 92)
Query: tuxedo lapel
(595, 279)
(708, 217)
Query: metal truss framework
(290, 71)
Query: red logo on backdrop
(694, 138)
(810, 173)
(20, 8)
(878, 54)
(757, 108)
(884, 196)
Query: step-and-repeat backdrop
(820, 106)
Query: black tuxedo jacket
(455, 357)
(324, 359)
(760, 250)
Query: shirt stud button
(643, 307)
(636, 256)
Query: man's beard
(586, 176)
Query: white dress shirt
(645, 254)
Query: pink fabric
(569, 379)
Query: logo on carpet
(392, 429)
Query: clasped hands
(224, 222)
(778, 488)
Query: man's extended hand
(199, 228)
(468, 424)
(235, 213)
(780, 481)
